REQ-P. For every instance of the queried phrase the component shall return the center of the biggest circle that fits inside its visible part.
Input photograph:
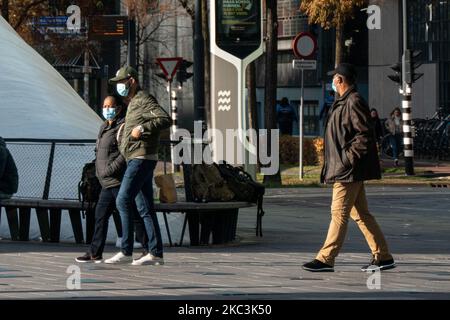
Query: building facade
(428, 31)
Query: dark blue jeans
(138, 177)
(105, 206)
(396, 144)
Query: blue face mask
(109, 113)
(122, 89)
(333, 86)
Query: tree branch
(189, 9)
(24, 13)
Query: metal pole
(199, 64)
(86, 76)
(300, 117)
(406, 102)
(131, 57)
(174, 128)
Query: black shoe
(379, 265)
(317, 266)
(88, 258)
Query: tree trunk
(252, 105)
(251, 87)
(5, 10)
(205, 27)
(270, 94)
(339, 45)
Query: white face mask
(123, 89)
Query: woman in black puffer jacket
(110, 167)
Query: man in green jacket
(9, 179)
(144, 120)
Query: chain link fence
(50, 169)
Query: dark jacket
(143, 110)
(9, 178)
(378, 129)
(110, 165)
(349, 142)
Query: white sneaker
(148, 259)
(119, 258)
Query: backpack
(208, 184)
(89, 187)
(245, 189)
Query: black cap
(345, 69)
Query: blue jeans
(396, 144)
(105, 207)
(138, 177)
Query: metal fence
(50, 169)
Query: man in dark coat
(350, 158)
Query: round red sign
(304, 45)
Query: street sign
(304, 64)
(304, 45)
(169, 66)
(108, 27)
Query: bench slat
(169, 207)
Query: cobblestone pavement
(416, 222)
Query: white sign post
(304, 47)
(236, 41)
(169, 67)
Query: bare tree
(150, 18)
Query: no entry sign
(304, 45)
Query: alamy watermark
(374, 18)
(73, 281)
(374, 280)
(230, 147)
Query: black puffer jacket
(110, 165)
(349, 141)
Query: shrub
(312, 150)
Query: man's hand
(137, 132)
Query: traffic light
(397, 77)
(412, 62)
(182, 74)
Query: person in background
(286, 116)
(394, 126)
(377, 124)
(110, 166)
(326, 107)
(9, 177)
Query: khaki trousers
(349, 200)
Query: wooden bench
(49, 212)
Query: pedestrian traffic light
(397, 77)
(182, 74)
(412, 63)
